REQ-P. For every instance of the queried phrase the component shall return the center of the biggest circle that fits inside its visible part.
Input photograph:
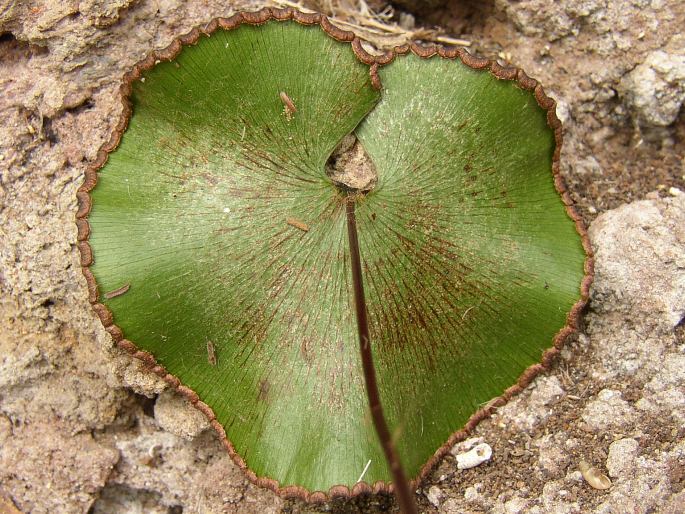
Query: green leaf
(216, 210)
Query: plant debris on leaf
(221, 211)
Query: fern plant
(289, 230)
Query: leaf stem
(404, 495)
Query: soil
(84, 428)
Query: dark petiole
(403, 492)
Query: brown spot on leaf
(263, 394)
(211, 353)
(306, 350)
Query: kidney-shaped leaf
(219, 244)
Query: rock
(175, 414)
(608, 411)
(516, 505)
(132, 373)
(43, 372)
(674, 504)
(118, 499)
(574, 476)
(644, 489)
(664, 394)
(639, 268)
(541, 19)
(472, 493)
(351, 167)
(545, 392)
(452, 506)
(622, 453)
(552, 458)
(588, 166)
(471, 452)
(655, 89)
(46, 468)
(555, 499)
(640, 258)
(638, 299)
(5, 429)
(434, 495)
(7, 506)
(223, 484)
(198, 474)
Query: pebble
(608, 410)
(621, 458)
(434, 495)
(655, 89)
(175, 414)
(471, 493)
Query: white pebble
(434, 495)
(471, 494)
(477, 455)
(674, 191)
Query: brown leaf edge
(374, 61)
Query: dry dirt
(84, 429)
